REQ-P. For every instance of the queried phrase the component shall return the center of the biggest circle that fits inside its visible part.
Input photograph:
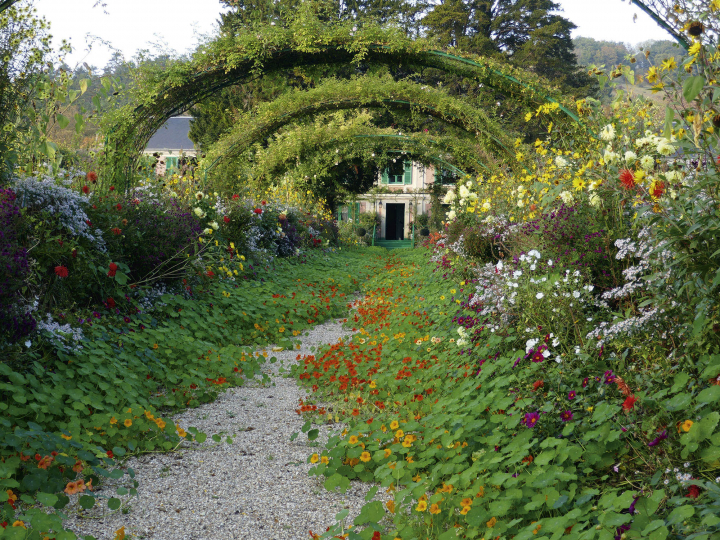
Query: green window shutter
(357, 210)
(384, 177)
(408, 172)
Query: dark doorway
(395, 221)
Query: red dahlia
(112, 270)
(86, 190)
(627, 178)
(91, 177)
(629, 403)
(61, 271)
(658, 189)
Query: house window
(398, 173)
(171, 163)
(445, 177)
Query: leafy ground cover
(68, 418)
(480, 430)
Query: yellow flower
(120, 534)
(324, 460)
(149, 415)
(394, 425)
(669, 64)
(686, 425)
(442, 298)
(399, 433)
(491, 523)
(422, 506)
(695, 48)
(314, 458)
(160, 423)
(19, 524)
(388, 452)
(465, 510)
(365, 457)
(353, 439)
(127, 422)
(407, 443)
(66, 437)
(390, 506)
(113, 420)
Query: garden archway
(305, 42)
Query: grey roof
(173, 135)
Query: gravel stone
(257, 488)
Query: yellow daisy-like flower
(421, 506)
(127, 422)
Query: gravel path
(257, 488)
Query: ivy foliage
(306, 41)
(359, 92)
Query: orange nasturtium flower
(365, 457)
(465, 510)
(434, 509)
(388, 452)
(75, 487)
(19, 524)
(686, 425)
(149, 415)
(467, 501)
(120, 534)
(394, 425)
(390, 506)
(113, 420)
(353, 439)
(314, 458)
(491, 523)
(66, 437)
(160, 423)
(181, 431)
(324, 460)
(127, 422)
(422, 506)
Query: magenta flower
(585, 382)
(531, 419)
(659, 438)
(566, 416)
(571, 395)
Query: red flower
(226, 219)
(693, 492)
(113, 270)
(538, 384)
(376, 535)
(111, 302)
(258, 210)
(110, 454)
(74, 253)
(119, 207)
(60, 242)
(116, 231)
(658, 189)
(91, 177)
(61, 271)
(629, 403)
(89, 223)
(627, 178)
(236, 196)
(85, 190)
(209, 273)
(112, 188)
(263, 203)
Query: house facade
(401, 194)
(170, 143)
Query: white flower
(567, 197)
(630, 157)
(539, 296)
(534, 253)
(532, 267)
(550, 263)
(451, 215)
(499, 265)
(576, 294)
(530, 344)
(486, 206)
(610, 157)
(647, 162)
(449, 197)
(665, 148)
(208, 231)
(199, 212)
(595, 200)
(464, 192)
(686, 464)
(561, 162)
(469, 183)
(607, 133)
(199, 195)
(517, 274)
(214, 225)
(28, 343)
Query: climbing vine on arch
(306, 41)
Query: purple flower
(566, 416)
(517, 361)
(609, 377)
(531, 419)
(585, 382)
(571, 395)
(659, 438)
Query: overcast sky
(131, 25)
